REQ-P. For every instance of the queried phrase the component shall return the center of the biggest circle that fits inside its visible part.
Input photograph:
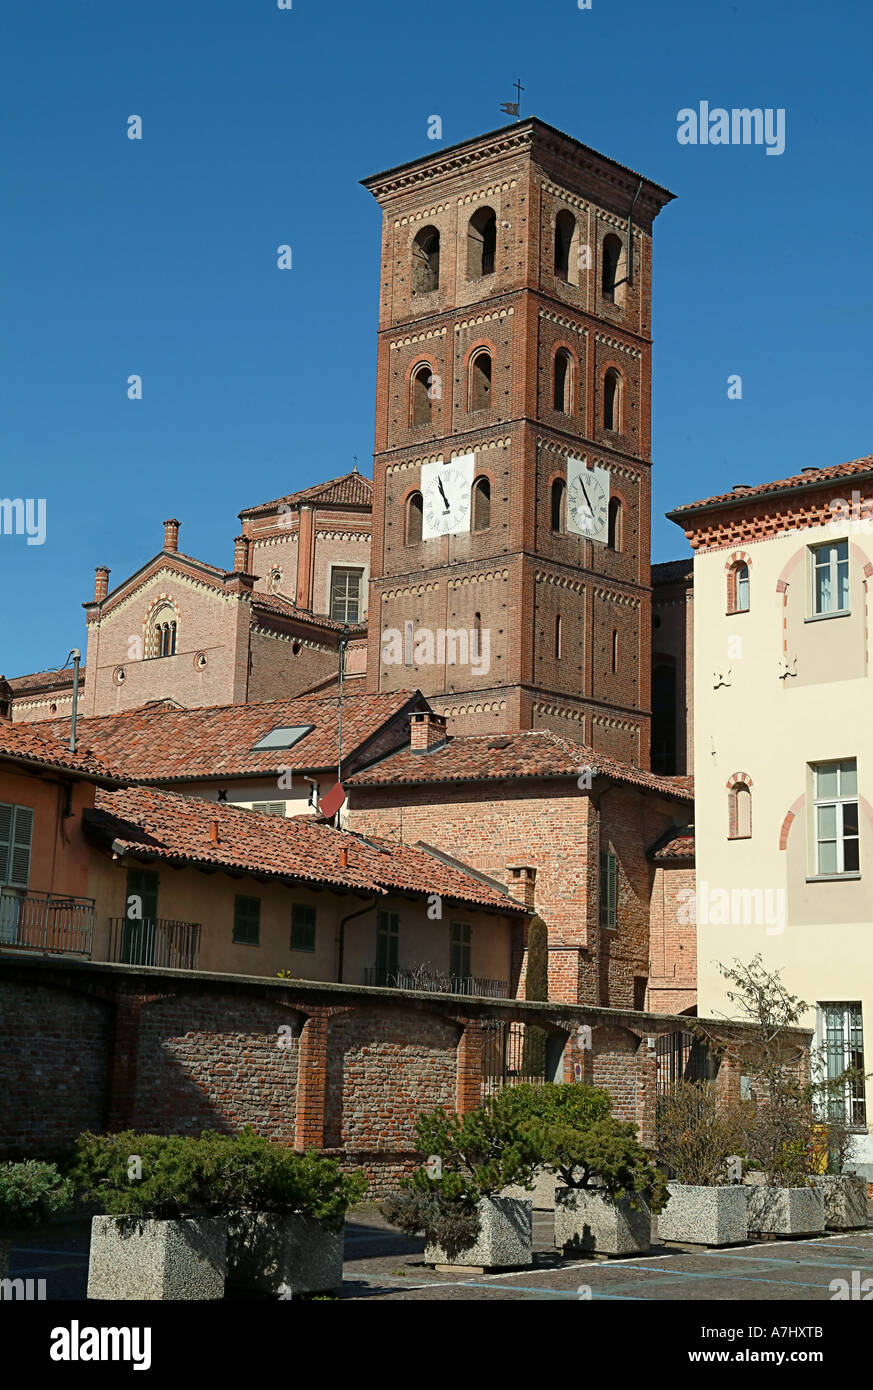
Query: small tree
(606, 1156)
(536, 987)
(698, 1132)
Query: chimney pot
(171, 534)
(101, 583)
(426, 730)
(344, 857)
(241, 555)
(213, 831)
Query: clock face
(445, 492)
(587, 500)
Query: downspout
(342, 936)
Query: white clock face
(445, 492)
(587, 500)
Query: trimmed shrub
(31, 1193)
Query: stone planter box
(133, 1259)
(845, 1201)
(283, 1254)
(705, 1215)
(589, 1221)
(542, 1194)
(505, 1239)
(786, 1211)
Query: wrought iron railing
(51, 922)
(154, 941)
(436, 983)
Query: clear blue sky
(159, 257)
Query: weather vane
(512, 108)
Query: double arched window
(481, 243)
(426, 261)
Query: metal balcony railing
(51, 922)
(435, 983)
(154, 941)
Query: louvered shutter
(6, 813)
(19, 858)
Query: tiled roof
(168, 826)
(813, 478)
(44, 680)
(672, 571)
(158, 743)
(675, 844)
(498, 757)
(34, 746)
(283, 607)
(351, 490)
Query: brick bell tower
(512, 455)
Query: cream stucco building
(783, 751)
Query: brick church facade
(499, 563)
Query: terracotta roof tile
(351, 490)
(165, 743)
(276, 603)
(677, 843)
(494, 758)
(44, 680)
(34, 746)
(169, 826)
(835, 473)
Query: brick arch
(402, 1060)
(480, 343)
(736, 777)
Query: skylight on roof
(285, 736)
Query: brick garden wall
(110, 1047)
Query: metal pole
(77, 657)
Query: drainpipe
(77, 657)
(342, 936)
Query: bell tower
(510, 566)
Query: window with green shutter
(246, 921)
(460, 949)
(387, 943)
(16, 835)
(608, 889)
(302, 928)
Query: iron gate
(683, 1057)
(513, 1053)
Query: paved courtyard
(383, 1265)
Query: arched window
(164, 631)
(562, 393)
(739, 811)
(481, 508)
(421, 405)
(559, 506)
(612, 268)
(481, 243)
(414, 518)
(566, 248)
(612, 392)
(558, 638)
(479, 396)
(615, 649)
(426, 261)
(614, 537)
(738, 595)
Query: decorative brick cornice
(564, 322)
(256, 628)
(609, 721)
(616, 596)
(403, 465)
(484, 577)
(484, 318)
(560, 581)
(422, 216)
(573, 200)
(580, 450)
(419, 337)
(617, 345)
(409, 591)
(488, 192)
(343, 536)
(481, 707)
(576, 716)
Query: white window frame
(838, 801)
(361, 571)
(851, 1031)
(834, 562)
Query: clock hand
(443, 491)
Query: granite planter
(786, 1211)
(133, 1258)
(705, 1215)
(283, 1254)
(505, 1239)
(845, 1201)
(542, 1194)
(588, 1220)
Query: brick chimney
(101, 583)
(426, 730)
(241, 555)
(522, 884)
(171, 534)
(213, 831)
